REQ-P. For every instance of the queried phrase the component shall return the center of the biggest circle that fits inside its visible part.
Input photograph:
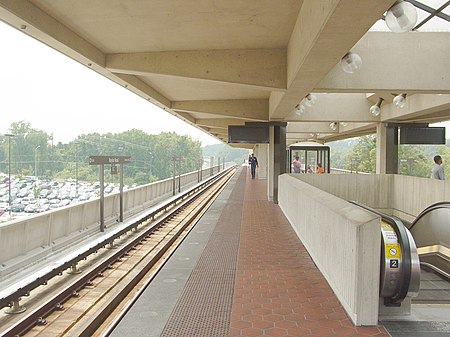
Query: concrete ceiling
(215, 63)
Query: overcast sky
(60, 96)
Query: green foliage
(151, 155)
(359, 154)
(362, 157)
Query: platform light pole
(9, 135)
(35, 160)
(150, 160)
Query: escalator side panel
(432, 228)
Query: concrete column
(387, 149)
(270, 163)
(381, 149)
(277, 159)
(262, 150)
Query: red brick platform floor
(279, 291)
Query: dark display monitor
(422, 135)
(248, 134)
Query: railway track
(92, 302)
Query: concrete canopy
(215, 63)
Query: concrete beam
(215, 131)
(418, 107)
(221, 123)
(310, 127)
(249, 109)
(409, 65)
(352, 130)
(144, 90)
(33, 21)
(323, 33)
(265, 68)
(188, 118)
(336, 108)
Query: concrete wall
(370, 189)
(25, 240)
(342, 239)
(402, 196)
(411, 195)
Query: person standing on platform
(296, 164)
(437, 172)
(319, 168)
(253, 161)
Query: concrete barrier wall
(411, 195)
(342, 239)
(373, 190)
(25, 240)
(402, 196)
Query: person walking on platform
(437, 172)
(253, 161)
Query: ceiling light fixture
(376, 108)
(351, 62)
(299, 109)
(310, 100)
(401, 17)
(344, 124)
(400, 100)
(333, 126)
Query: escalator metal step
(417, 329)
(433, 289)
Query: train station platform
(242, 271)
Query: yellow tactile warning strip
(204, 307)
(279, 291)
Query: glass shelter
(313, 157)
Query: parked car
(17, 208)
(31, 208)
(64, 202)
(28, 200)
(3, 206)
(43, 208)
(44, 193)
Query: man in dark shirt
(253, 161)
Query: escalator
(400, 268)
(431, 232)
(415, 270)
(415, 257)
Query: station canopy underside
(215, 63)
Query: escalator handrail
(405, 250)
(438, 205)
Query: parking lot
(31, 195)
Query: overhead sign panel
(422, 135)
(99, 160)
(248, 134)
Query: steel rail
(169, 249)
(52, 304)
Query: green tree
(362, 157)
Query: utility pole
(35, 160)
(52, 158)
(9, 135)
(211, 164)
(174, 174)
